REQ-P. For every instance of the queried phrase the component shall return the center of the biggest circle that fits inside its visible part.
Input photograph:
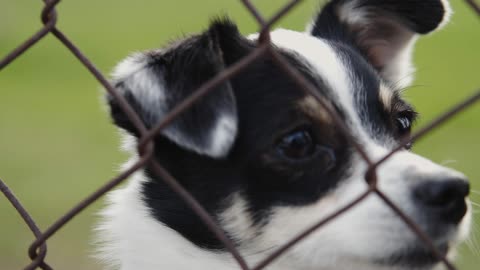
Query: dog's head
(267, 160)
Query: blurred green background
(57, 144)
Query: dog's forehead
(320, 55)
(352, 84)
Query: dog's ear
(155, 82)
(383, 30)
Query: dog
(267, 160)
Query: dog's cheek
(285, 223)
(237, 221)
(365, 231)
(370, 228)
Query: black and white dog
(267, 161)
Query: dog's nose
(444, 199)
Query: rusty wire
(38, 249)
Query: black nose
(444, 199)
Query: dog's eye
(404, 125)
(297, 145)
(404, 122)
(300, 146)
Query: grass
(57, 144)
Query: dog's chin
(416, 257)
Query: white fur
(135, 73)
(401, 71)
(350, 13)
(223, 136)
(448, 14)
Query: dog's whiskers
(472, 241)
(261, 251)
(475, 191)
(448, 162)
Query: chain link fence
(38, 249)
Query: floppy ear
(383, 30)
(155, 82)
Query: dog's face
(267, 160)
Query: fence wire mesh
(38, 249)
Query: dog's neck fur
(136, 240)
